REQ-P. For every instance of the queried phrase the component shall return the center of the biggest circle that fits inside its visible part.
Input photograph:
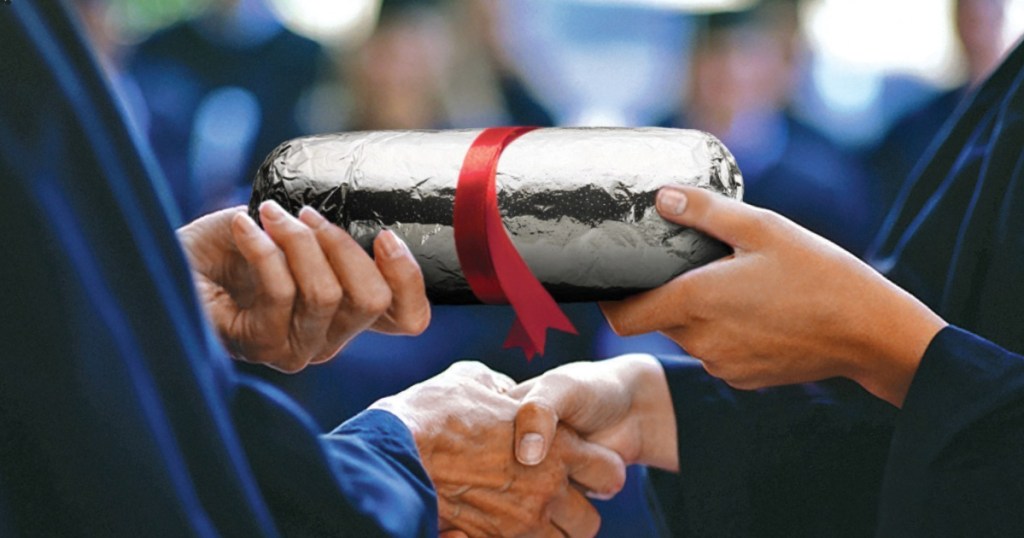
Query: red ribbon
(492, 265)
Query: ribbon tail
(517, 337)
(493, 267)
(529, 331)
(536, 311)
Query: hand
(787, 307)
(295, 294)
(462, 422)
(621, 403)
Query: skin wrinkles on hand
(296, 292)
(462, 421)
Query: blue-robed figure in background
(840, 404)
(121, 414)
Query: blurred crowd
(214, 93)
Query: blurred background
(827, 105)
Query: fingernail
(600, 496)
(393, 246)
(271, 211)
(530, 447)
(247, 225)
(671, 201)
(311, 217)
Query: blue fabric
(955, 236)
(120, 415)
(791, 461)
(956, 467)
(828, 459)
(907, 141)
(181, 68)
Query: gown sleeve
(802, 460)
(363, 479)
(956, 467)
(120, 414)
(830, 459)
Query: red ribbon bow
(492, 265)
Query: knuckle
(299, 230)
(332, 235)
(282, 293)
(468, 368)
(703, 344)
(325, 295)
(326, 229)
(290, 366)
(551, 486)
(712, 368)
(618, 319)
(371, 300)
(265, 251)
(558, 382)
(617, 480)
(536, 413)
(293, 232)
(418, 323)
(407, 272)
(621, 328)
(697, 348)
(740, 384)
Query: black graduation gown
(828, 459)
(120, 414)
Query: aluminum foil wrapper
(577, 202)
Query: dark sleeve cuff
(714, 440)
(382, 473)
(364, 479)
(774, 461)
(954, 465)
(961, 377)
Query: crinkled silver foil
(577, 202)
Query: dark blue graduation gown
(120, 415)
(827, 459)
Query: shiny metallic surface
(578, 202)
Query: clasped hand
(295, 292)
(462, 421)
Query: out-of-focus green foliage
(138, 18)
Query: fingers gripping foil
(578, 203)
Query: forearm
(651, 412)
(886, 343)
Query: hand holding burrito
(295, 293)
(578, 203)
(788, 307)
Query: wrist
(653, 413)
(893, 346)
(396, 407)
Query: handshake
(513, 460)
(786, 307)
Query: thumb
(542, 406)
(726, 219)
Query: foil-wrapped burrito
(578, 203)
